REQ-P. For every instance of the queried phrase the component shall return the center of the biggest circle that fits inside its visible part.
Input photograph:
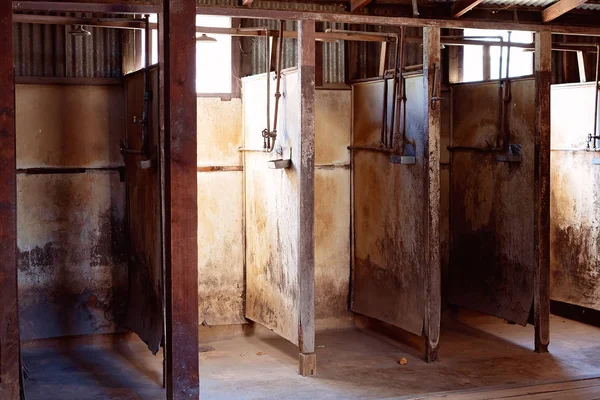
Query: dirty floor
(351, 364)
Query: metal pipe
(397, 57)
(597, 90)
(376, 149)
(384, 122)
(400, 94)
(147, 92)
(268, 74)
(384, 107)
(273, 135)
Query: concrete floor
(352, 364)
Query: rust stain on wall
(71, 239)
(333, 126)
(71, 254)
(492, 255)
(220, 248)
(332, 243)
(69, 126)
(219, 131)
(575, 197)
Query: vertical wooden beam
(487, 64)
(383, 58)
(581, 65)
(432, 86)
(306, 172)
(9, 311)
(543, 76)
(236, 61)
(319, 80)
(181, 222)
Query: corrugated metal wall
(48, 51)
(253, 49)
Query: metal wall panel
(389, 218)
(254, 49)
(145, 305)
(575, 195)
(48, 51)
(492, 256)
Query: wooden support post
(559, 8)
(487, 64)
(432, 86)
(306, 172)
(9, 310)
(581, 65)
(383, 58)
(541, 300)
(178, 89)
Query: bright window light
(521, 60)
(213, 58)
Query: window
(521, 60)
(213, 56)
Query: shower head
(205, 38)
(79, 30)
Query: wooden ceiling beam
(559, 8)
(461, 7)
(357, 5)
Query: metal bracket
(513, 155)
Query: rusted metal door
(492, 259)
(575, 195)
(145, 312)
(389, 213)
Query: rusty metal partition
(492, 255)
(389, 213)
(575, 195)
(145, 315)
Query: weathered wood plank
(432, 86)
(543, 78)
(357, 5)
(461, 7)
(181, 222)
(559, 8)
(9, 311)
(306, 174)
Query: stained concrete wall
(574, 198)
(71, 242)
(220, 219)
(333, 129)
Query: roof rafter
(559, 8)
(357, 5)
(460, 7)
